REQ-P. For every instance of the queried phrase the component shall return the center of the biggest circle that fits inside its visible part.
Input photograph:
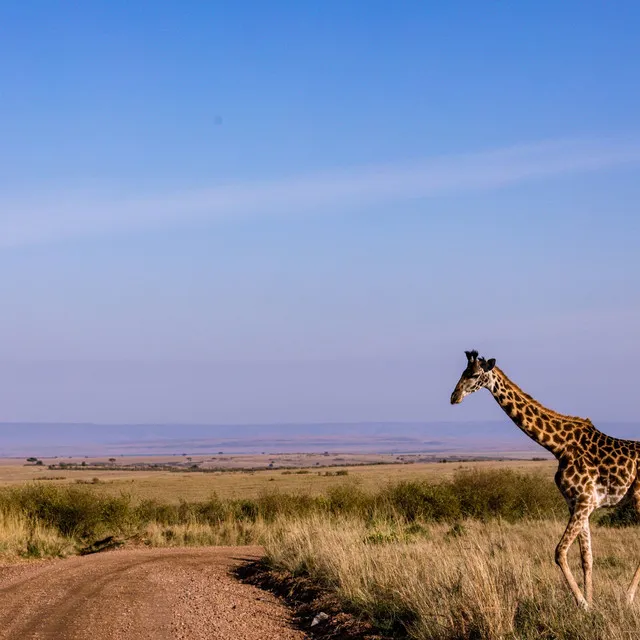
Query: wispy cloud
(26, 221)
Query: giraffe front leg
(579, 518)
(587, 561)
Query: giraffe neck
(549, 429)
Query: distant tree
(112, 460)
(189, 458)
(84, 464)
(32, 459)
(39, 463)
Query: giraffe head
(475, 376)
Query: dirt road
(140, 594)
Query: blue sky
(262, 212)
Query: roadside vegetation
(469, 556)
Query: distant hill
(21, 439)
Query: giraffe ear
(487, 365)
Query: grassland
(492, 580)
(422, 551)
(238, 483)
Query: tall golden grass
(21, 536)
(491, 580)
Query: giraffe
(595, 470)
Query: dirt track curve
(140, 594)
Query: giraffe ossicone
(595, 470)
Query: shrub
(624, 514)
(72, 511)
(421, 500)
(506, 494)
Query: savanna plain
(405, 548)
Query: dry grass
(21, 537)
(195, 534)
(490, 581)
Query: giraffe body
(595, 470)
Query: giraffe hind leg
(633, 586)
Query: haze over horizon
(306, 213)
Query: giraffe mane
(555, 414)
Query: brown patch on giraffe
(617, 478)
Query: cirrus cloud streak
(24, 220)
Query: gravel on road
(132, 594)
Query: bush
(624, 514)
(506, 494)
(349, 499)
(72, 511)
(421, 500)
